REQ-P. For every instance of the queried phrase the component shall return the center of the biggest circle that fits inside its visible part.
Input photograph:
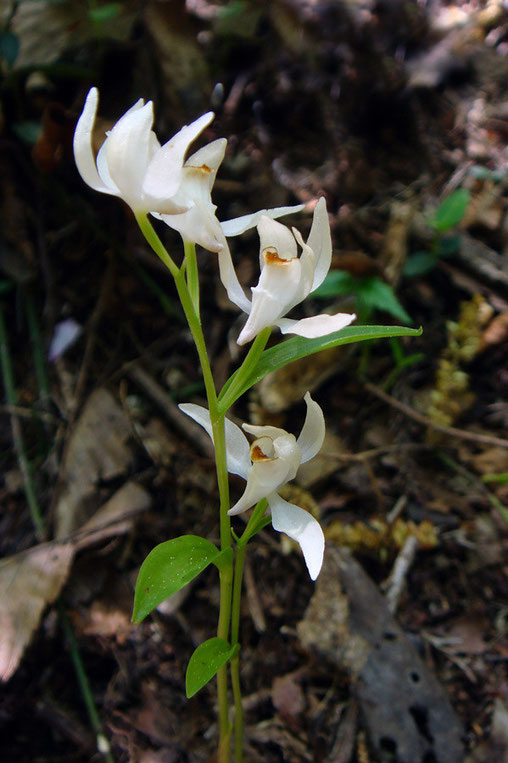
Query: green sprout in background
(448, 214)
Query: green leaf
(371, 293)
(299, 347)
(419, 263)
(27, 131)
(336, 282)
(479, 172)
(9, 47)
(451, 210)
(448, 245)
(168, 568)
(6, 286)
(206, 661)
(501, 478)
(375, 294)
(237, 18)
(104, 12)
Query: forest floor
(399, 651)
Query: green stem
(235, 662)
(187, 303)
(187, 284)
(235, 624)
(252, 524)
(231, 389)
(192, 273)
(158, 247)
(25, 466)
(226, 580)
(95, 721)
(199, 341)
(37, 347)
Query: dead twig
(159, 395)
(481, 439)
(255, 608)
(401, 567)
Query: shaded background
(386, 108)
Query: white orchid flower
(272, 460)
(287, 279)
(151, 178)
(132, 165)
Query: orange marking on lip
(271, 256)
(256, 454)
(203, 168)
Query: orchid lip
(258, 450)
(272, 256)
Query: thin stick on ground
(482, 439)
(399, 572)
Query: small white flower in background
(287, 279)
(65, 334)
(270, 462)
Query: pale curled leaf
(28, 581)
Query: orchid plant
(161, 182)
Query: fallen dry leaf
(496, 332)
(116, 516)
(33, 579)
(496, 747)
(97, 451)
(103, 621)
(28, 581)
(287, 696)
(46, 29)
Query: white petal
(230, 280)
(263, 431)
(320, 241)
(103, 169)
(83, 152)
(263, 478)
(128, 149)
(318, 325)
(210, 155)
(312, 435)
(239, 225)
(237, 445)
(198, 224)
(307, 261)
(164, 173)
(275, 235)
(278, 286)
(301, 527)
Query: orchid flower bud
(286, 279)
(272, 460)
